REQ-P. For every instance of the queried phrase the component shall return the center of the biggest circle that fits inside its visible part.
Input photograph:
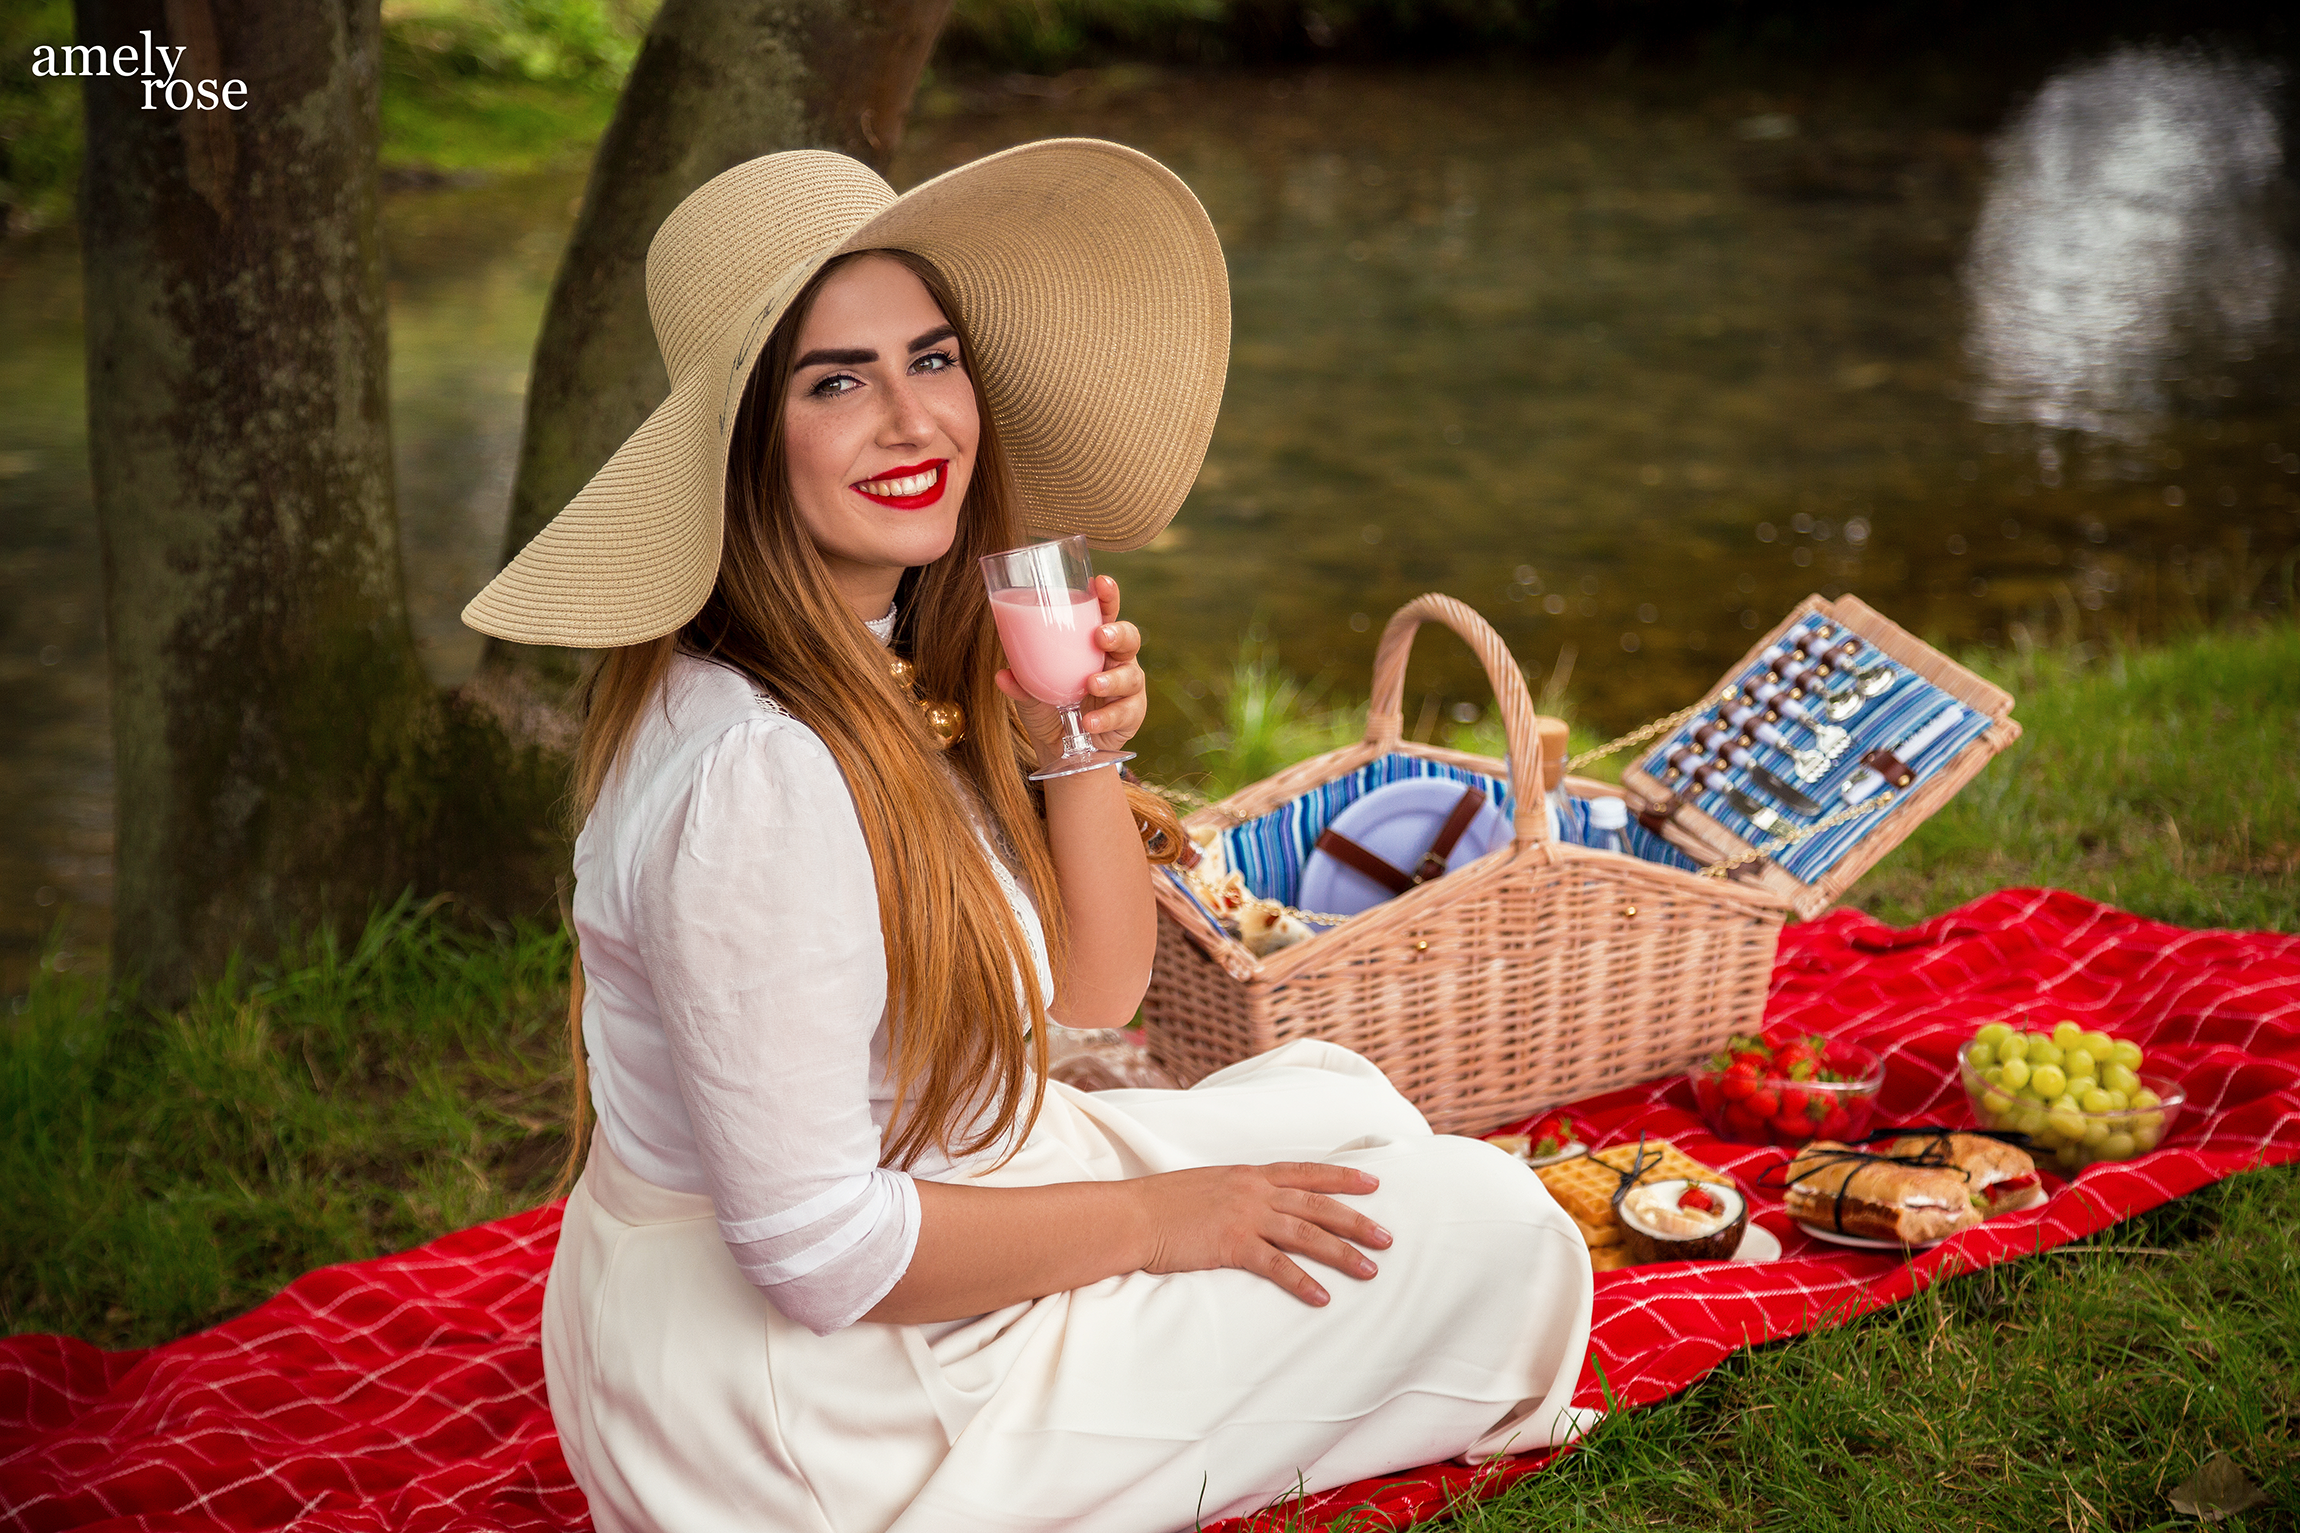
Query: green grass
(2072, 1390)
(2165, 781)
(168, 1172)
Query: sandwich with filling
(1872, 1195)
(2001, 1177)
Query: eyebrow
(857, 356)
(826, 357)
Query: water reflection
(1630, 361)
(2125, 254)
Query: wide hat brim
(1091, 284)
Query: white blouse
(735, 1001)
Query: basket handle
(1385, 716)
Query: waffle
(1584, 1188)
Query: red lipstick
(939, 467)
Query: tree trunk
(282, 762)
(716, 83)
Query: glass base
(1084, 761)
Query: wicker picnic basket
(1542, 972)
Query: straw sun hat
(1090, 281)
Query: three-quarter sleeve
(758, 923)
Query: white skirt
(687, 1403)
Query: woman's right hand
(1252, 1217)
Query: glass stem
(1075, 740)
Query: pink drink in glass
(1042, 598)
(1049, 640)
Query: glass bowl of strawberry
(1788, 1088)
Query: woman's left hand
(1117, 700)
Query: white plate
(1396, 823)
(1758, 1244)
(1860, 1242)
(1573, 1151)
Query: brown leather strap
(1433, 863)
(1355, 857)
(1889, 766)
(1659, 815)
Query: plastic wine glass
(1043, 600)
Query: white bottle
(1608, 822)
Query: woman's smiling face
(879, 428)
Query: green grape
(2078, 1085)
(2099, 1044)
(2118, 1146)
(2126, 1053)
(2065, 1033)
(1993, 1034)
(2012, 1046)
(2028, 1117)
(2145, 1138)
(2013, 1073)
(1980, 1056)
(2047, 1081)
(2148, 1123)
(2043, 1051)
(2096, 1100)
(2071, 1158)
(2117, 1100)
(2119, 1076)
(2067, 1122)
(2062, 1103)
(2077, 1062)
(2095, 1132)
(2145, 1098)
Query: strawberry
(1764, 1102)
(1794, 1101)
(1696, 1199)
(1793, 1128)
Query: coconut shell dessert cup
(1655, 1229)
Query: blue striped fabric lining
(1272, 850)
(1573, 827)
(1896, 715)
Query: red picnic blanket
(406, 1393)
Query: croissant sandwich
(1861, 1192)
(2000, 1176)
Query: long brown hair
(964, 1066)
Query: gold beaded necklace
(945, 721)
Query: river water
(1629, 361)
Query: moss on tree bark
(282, 761)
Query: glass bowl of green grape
(2080, 1096)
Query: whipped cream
(1658, 1211)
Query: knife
(1709, 738)
(1707, 774)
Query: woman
(841, 1258)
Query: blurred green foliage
(592, 41)
(39, 120)
(467, 85)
